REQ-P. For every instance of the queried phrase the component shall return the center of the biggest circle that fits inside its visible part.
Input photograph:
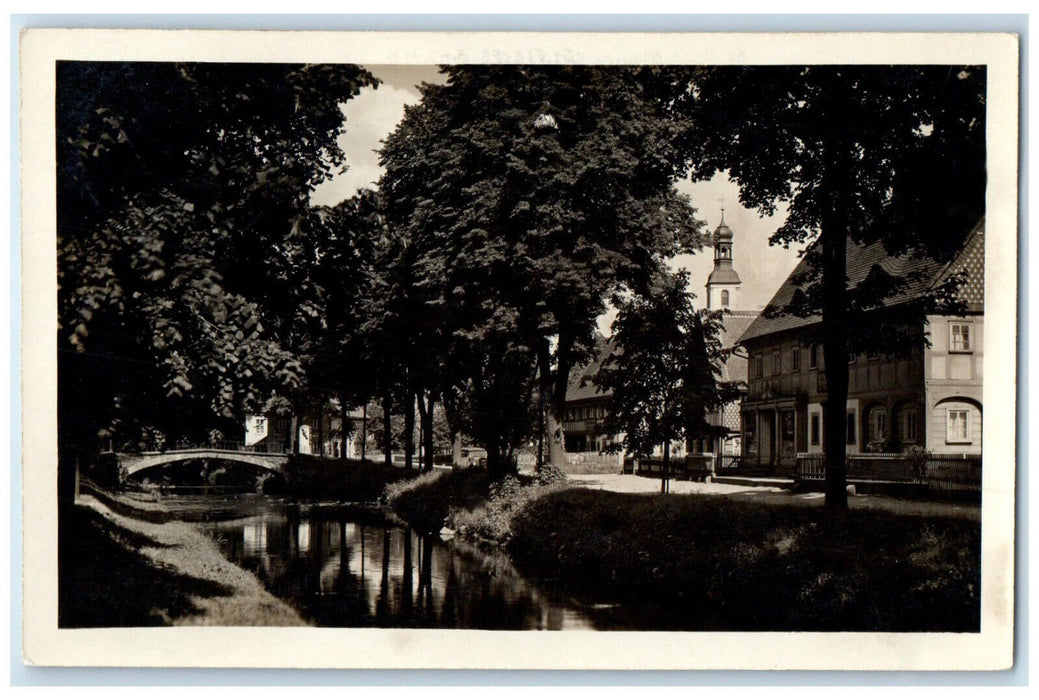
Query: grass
(117, 569)
(713, 563)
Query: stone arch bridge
(139, 461)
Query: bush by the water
(426, 501)
(492, 519)
(720, 564)
(467, 498)
(313, 477)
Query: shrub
(916, 459)
(492, 520)
(426, 501)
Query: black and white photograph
(428, 344)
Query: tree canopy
(665, 373)
(186, 241)
(533, 196)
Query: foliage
(528, 196)
(916, 457)
(186, 243)
(718, 564)
(666, 375)
(491, 521)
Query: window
(815, 431)
(795, 359)
(725, 297)
(759, 366)
(813, 356)
(878, 425)
(777, 362)
(851, 429)
(909, 425)
(959, 336)
(957, 425)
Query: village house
(310, 433)
(930, 397)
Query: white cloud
(370, 117)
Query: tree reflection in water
(319, 563)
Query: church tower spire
(723, 284)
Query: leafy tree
(186, 241)
(537, 193)
(665, 375)
(858, 154)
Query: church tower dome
(723, 284)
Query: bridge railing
(230, 446)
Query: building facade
(311, 433)
(927, 396)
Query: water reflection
(342, 573)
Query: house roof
(734, 325)
(924, 273)
(584, 386)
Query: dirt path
(131, 572)
(629, 483)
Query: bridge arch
(134, 463)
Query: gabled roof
(734, 325)
(584, 387)
(864, 260)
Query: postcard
(518, 350)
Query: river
(352, 567)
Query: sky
(373, 114)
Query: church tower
(723, 284)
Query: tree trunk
(544, 389)
(364, 432)
(834, 235)
(557, 401)
(665, 471)
(344, 428)
(387, 429)
(409, 430)
(321, 429)
(427, 433)
(294, 434)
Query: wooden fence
(940, 472)
(592, 463)
(695, 466)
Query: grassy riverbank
(718, 563)
(122, 564)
